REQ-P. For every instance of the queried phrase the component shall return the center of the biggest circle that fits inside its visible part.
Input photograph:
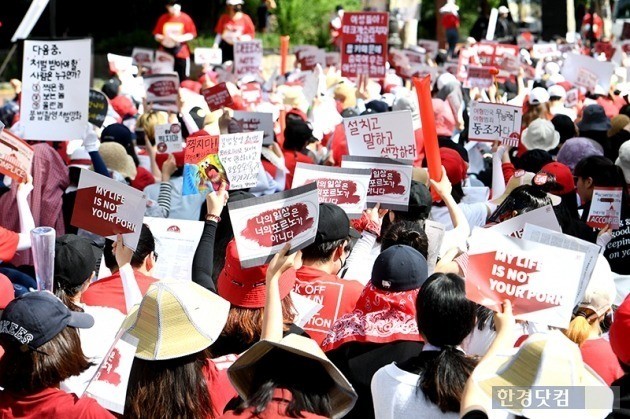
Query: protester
(450, 22)
(234, 25)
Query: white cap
(538, 95)
(233, 2)
(504, 10)
(552, 68)
(557, 91)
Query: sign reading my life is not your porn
(341, 186)
(495, 121)
(390, 182)
(605, 208)
(106, 207)
(55, 89)
(262, 226)
(540, 280)
(387, 134)
(16, 156)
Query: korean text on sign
(495, 121)
(364, 44)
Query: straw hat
(519, 178)
(242, 372)
(175, 319)
(116, 158)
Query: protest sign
(430, 46)
(390, 181)
(308, 58)
(605, 207)
(142, 56)
(602, 69)
(202, 166)
(435, 235)
(162, 91)
(305, 308)
(586, 79)
(364, 44)
(251, 94)
(495, 121)
(247, 57)
(572, 98)
(109, 385)
(16, 156)
(388, 134)
(119, 63)
(107, 207)
(544, 50)
(98, 106)
(262, 226)
(240, 157)
(208, 56)
(542, 217)
(177, 241)
(540, 280)
(55, 89)
(481, 77)
(168, 138)
(255, 121)
(164, 63)
(217, 96)
(344, 187)
(494, 55)
(415, 57)
(605, 48)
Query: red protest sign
(199, 147)
(494, 55)
(251, 93)
(364, 44)
(217, 96)
(16, 156)
(605, 208)
(606, 48)
(481, 77)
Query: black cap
(74, 260)
(375, 106)
(36, 317)
(118, 133)
(399, 268)
(420, 198)
(333, 224)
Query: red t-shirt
(219, 385)
(598, 354)
(338, 296)
(109, 292)
(176, 25)
(450, 21)
(277, 408)
(8, 244)
(236, 27)
(143, 179)
(50, 403)
(291, 159)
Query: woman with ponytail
(430, 385)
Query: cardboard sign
(390, 180)
(164, 63)
(107, 207)
(495, 121)
(176, 242)
(202, 167)
(572, 98)
(162, 91)
(388, 134)
(256, 121)
(574, 63)
(247, 57)
(16, 156)
(109, 385)
(98, 108)
(605, 208)
(430, 46)
(55, 89)
(217, 97)
(262, 226)
(542, 217)
(142, 56)
(364, 44)
(344, 187)
(540, 280)
(208, 56)
(168, 138)
(480, 77)
(240, 156)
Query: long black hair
(604, 173)
(522, 199)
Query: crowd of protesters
(396, 335)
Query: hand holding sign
(282, 262)
(123, 253)
(215, 201)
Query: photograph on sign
(202, 167)
(168, 138)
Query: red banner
(364, 44)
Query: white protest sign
(142, 56)
(344, 187)
(162, 91)
(586, 79)
(240, 156)
(540, 280)
(262, 226)
(176, 241)
(106, 207)
(55, 89)
(168, 138)
(164, 63)
(602, 69)
(390, 182)
(605, 208)
(247, 57)
(495, 121)
(119, 63)
(256, 121)
(572, 98)
(542, 217)
(388, 134)
(208, 56)
(544, 50)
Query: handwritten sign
(208, 56)
(480, 77)
(387, 134)
(390, 180)
(98, 108)
(364, 44)
(256, 121)
(164, 63)
(344, 187)
(107, 207)
(217, 97)
(202, 167)
(495, 121)
(262, 226)
(586, 79)
(16, 156)
(540, 280)
(247, 57)
(55, 89)
(240, 156)
(162, 91)
(605, 208)
(168, 138)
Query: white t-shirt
(476, 214)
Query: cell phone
(140, 138)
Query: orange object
(431, 147)
(284, 51)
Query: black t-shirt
(623, 411)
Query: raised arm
(27, 223)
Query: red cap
(619, 334)
(563, 176)
(124, 106)
(7, 293)
(160, 158)
(454, 164)
(246, 287)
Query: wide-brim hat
(242, 372)
(623, 160)
(520, 177)
(541, 135)
(116, 158)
